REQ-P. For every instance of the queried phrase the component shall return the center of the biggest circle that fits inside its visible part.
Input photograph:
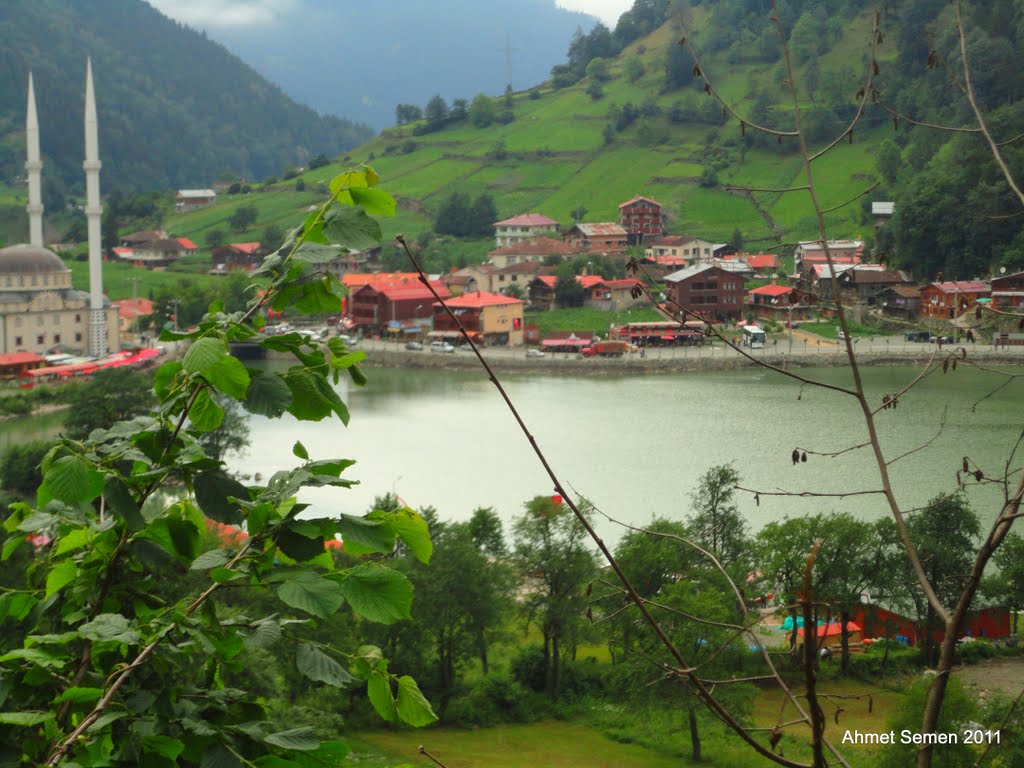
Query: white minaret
(93, 211)
(33, 169)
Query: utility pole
(508, 50)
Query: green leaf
(352, 228)
(203, 354)
(72, 540)
(347, 361)
(316, 253)
(62, 574)
(164, 746)
(71, 480)
(412, 530)
(310, 593)
(318, 666)
(300, 451)
(362, 536)
(299, 739)
(413, 707)
(11, 544)
(212, 491)
(80, 695)
(378, 688)
(36, 656)
(16, 606)
(268, 395)
(353, 178)
(308, 404)
(297, 546)
(229, 376)
(266, 633)
(206, 415)
(215, 558)
(25, 718)
(163, 382)
(374, 201)
(121, 502)
(318, 297)
(377, 593)
(104, 720)
(219, 756)
(110, 627)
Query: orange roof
(771, 290)
(132, 308)
(20, 358)
(762, 260)
(637, 199)
(248, 248)
(187, 243)
(478, 299)
(359, 279)
(527, 220)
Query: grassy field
(122, 281)
(586, 319)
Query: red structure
(378, 306)
(1008, 292)
(879, 622)
(711, 292)
(950, 300)
(641, 217)
(19, 364)
(245, 256)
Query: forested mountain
(175, 108)
(399, 51)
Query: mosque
(39, 310)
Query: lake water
(635, 446)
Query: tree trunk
(694, 735)
(547, 664)
(556, 668)
(481, 649)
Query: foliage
(885, 659)
(716, 523)
(483, 111)
(464, 218)
(121, 645)
(1007, 586)
(110, 396)
(959, 709)
(244, 217)
(20, 472)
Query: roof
(527, 220)
(132, 308)
(862, 273)
(667, 261)
(196, 193)
(188, 244)
(733, 265)
(20, 358)
(819, 257)
(122, 251)
(246, 248)
(686, 274)
(824, 271)
(771, 290)
(671, 240)
(537, 246)
(163, 244)
(143, 236)
(835, 245)
(762, 260)
(962, 286)
(639, 199)
(906, 291)
(600, 228)
(883, 209)
(478, 299)
(589, 281)
(29, 259)
(411, 292)
(358, 279)
(628, 282)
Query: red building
(641, 217)
(1008, 292)
(18, 364)
(377, 307)
(708, 291)
(247, 256)
(879, 622)
(950, 300)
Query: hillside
(598, 142)
(175, 108)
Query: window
(78, 337)
(17, 341)
(517, 323)
(41, 339)
(78, 318)
(56, 338)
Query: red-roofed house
(494, 319)
(377, 307)
(17, 364)
(245, 256)
(762, 262)
(771, 296)
(542, 289)
(612, 295)
(600, 237)
(534, 249)
(641, 217)
(188, 245)
(1008, 292)
(950, 300)
(130, 310)
(523, 227)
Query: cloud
(607, 11)
(225, 13)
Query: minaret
(93, 211)
(33, 170)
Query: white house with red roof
(534, 249)
(523, 227)
(494, 319)
(194, 199)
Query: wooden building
(708, 291)
(642, 219)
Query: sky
(240, 13)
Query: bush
(495, 699)
(527, 668)
(900, 659)
(974, 651)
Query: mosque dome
(29, 260)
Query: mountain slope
(403, 51)
(175, 109)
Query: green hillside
(625, 129)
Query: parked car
(441, 346)
(922, 336)
(350, 340)
(840, 336)
(414, 346)
(943, 339)
(534, 353)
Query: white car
(534, 353)
(441, 346)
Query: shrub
(495, 699)
(875, 663)
(528, 668)
(974, 651)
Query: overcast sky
(233, 13)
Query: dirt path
(1005, 674)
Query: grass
(587, 319)
(122, 281)
(830, 330)
(513, 746)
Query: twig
(423, 751)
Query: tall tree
(716, 522)
(550, 549)
(110, 396)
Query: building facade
(950, 300)
(708, 291)
(494, 319)
(642, 219)
(600, 237)
(524, 227)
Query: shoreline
(680, 362)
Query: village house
(247, 256)
(15, 365)
(130, 312)
(542, 289)
(379, 308)
(642, 219)
(681, 247)
(353, 261)
(613, 295)
(950, 300)
(491, 318)
(766, 300)
(153, 254)
(761, 263)
(707, 290)
(475, 277)
(1008, 292)
(599, 237)
(523, 227)
(818, 279)
(810, 252)
(864, 281)
(488, 278)
(535, 249)
(194, 199)
(899, 301)
(736, 266)
(188, 247)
